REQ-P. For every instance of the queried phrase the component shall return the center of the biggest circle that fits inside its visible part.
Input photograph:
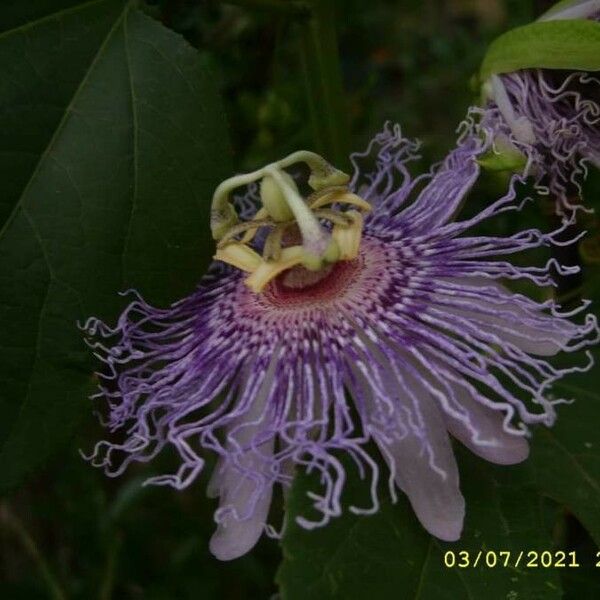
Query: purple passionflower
(550, 118)
(393, 327)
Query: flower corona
(356, 315)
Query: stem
(322, 71)
(323, 80)
(294, 8)
(14, 524)
(313, 236)
(106, 589)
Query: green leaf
(113, 140)
(566, 458)
(389, 554)
(572, 44)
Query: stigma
(311, 232)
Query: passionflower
(547, 119)
(353, 315)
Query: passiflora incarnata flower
(548, 118)
(356, 315)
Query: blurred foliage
(69, 532)
(409, 62)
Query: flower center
(298, 278)
(284, 211)
(299, 286)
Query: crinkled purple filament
(563, 111)
(415, 338)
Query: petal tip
(517, 451)
(446, 527)
(225, 546)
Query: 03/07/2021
(531, 559)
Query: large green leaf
(389, 555)
(572, 44)
(112, 142)
(381, 554)
(566, 458)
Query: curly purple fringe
(420, 331)
(555, 125)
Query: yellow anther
(272, 247)
(332, 254)
(247, 227)
(240, 256)
(348, 237)
(340, 195)
(268, 270)
(319, 180)
(260, 215)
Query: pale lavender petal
(578, 9)
(482, 430)
(235, 534)
(423, 464)
(513, 319)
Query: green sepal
(572, 44)
(504, 158)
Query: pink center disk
(298, 278)
(301, 286)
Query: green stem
(294, 8)
(323, 79)
(316, 20)
(106, 589)
(14, 524)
